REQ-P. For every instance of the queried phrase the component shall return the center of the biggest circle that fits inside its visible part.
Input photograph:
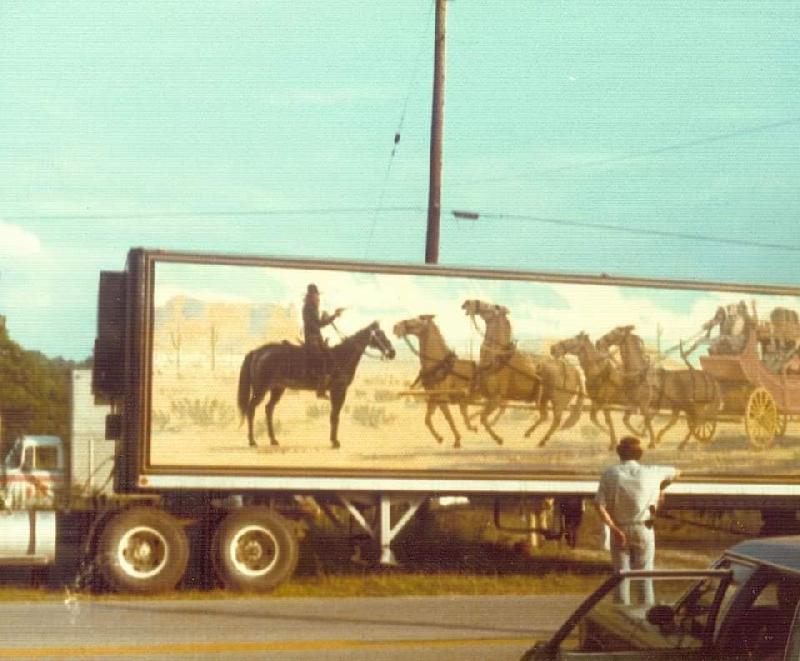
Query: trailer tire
(255, 550)
(143, 550)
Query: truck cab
(33, 480)
(34, 473)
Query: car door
(681, 626)
(758, 625)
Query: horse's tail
(243, 395)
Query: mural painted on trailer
(456, 373)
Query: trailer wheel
(255, 550)
(761, 418)
(143, 550)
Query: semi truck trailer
(222, 427)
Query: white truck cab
(34, 473)
(47, 485)
(33, 479)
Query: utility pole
(437, 120)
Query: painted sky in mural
(538, 310)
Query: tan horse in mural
(506, 374)
(445, 378)
(606, 386)
(692, 392)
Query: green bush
(160, 420)
(371, 416)
(204, 413)
(384, 395)
(318, 410)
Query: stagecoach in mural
(757, 365)
(750, 375)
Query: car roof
(780, 552)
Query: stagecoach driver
(626, 500)
(313, 321)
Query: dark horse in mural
(278, 366)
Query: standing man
(626, 501)
(316, 349)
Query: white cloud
(18, 242)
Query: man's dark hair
(629, 447)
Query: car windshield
(651, 611)
(740, 573)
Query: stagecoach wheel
(143, 550)
(704, 430)
(255, 550)
(761, 418)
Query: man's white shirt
(628, 489)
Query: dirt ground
(196, 423)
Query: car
(745, 606)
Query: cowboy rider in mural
(315, 346)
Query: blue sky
(579, 132)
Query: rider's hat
(312, 289)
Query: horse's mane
(355, 337)
(437, 333)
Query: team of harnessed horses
(504, 375)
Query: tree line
(34, 392)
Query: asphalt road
(393, 628)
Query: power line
(627, 229)
(210, 214)
(631, 156)
(465, 216)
